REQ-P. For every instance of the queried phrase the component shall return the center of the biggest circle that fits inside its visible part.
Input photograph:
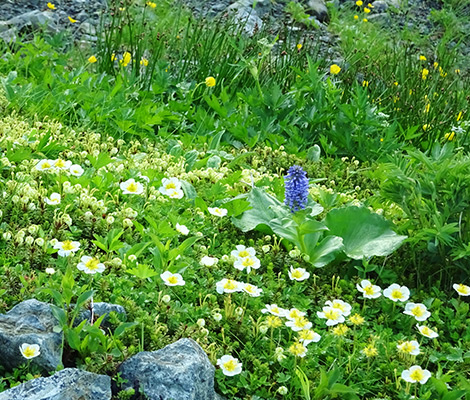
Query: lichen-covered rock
(68, 384)
(30, 322)
(180, 371)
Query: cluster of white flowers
(59, 165)
(334, 312)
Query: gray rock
(36, 19)
(244, 14)
(318, 9)
(87, 28)
(380, 6)
(100, 309)
(30, 322)
(179, 371)
(68, 384)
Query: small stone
(380, 6)
(99, 308)
(179, 371)
(69, 384)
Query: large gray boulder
(100, 309)
(30, 322)
(180, 371)
(318, 9)
(68, 384)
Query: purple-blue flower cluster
(296, 183)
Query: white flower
(50, 271)
(90, 265)
(396, 293)
(201, 322)
(298, 274)
(247, 262)
(332, 315)
(218, 212)
(282, 390)
(417, 310)
(461, 289)
(273, 309)
(217, 316)
(279, 354)
(242, 251)
(53, 200)
(207, 261)
(428, 332)
(29, 351)
(182, 229)
(67, 247)
(299, 324)
(252, 290)
(294, 313)
(39, 242)
(368, 290)
(175, 193)
(230, 366)
(168, 185)
(166, 298)
(131, 187)
(44, 165)
(228, 286)
(341, 305)
(172, 279)
(416, 374)
(308, 336)
(76, 170)
(62, 164)
(409, 347)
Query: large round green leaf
(364, 233)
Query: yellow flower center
(60, 163)
(417, 311)
(340, 330)
(92, 264)
(249, 288)
(370, 351)
(170, 185)
(132, 187)
(274, 322)
(306, 335)
(417, 375)
(230, 285)
(300, 322)
(397, 294)
(463, 289)
(297, 274)
(248, 262)
(369, 290)
(67, 245)
(407, 347)
(173, 280)
(356, 319)
(339, 306)
(297, 349)
(243, 254)
(331, 314)
(230, 365)
(29, 352)
(45, 165)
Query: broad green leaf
(123, 327)
(142, 271)
(455, 395)
(364, 233)
(325, 252)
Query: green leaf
(214, 162)
(325, 252)
(83, 298)
(365, 234)
(60, 315)
(188, 190)
(191, 158)
(123, 327)
(455, 395)
(142, 271)
(313, 153)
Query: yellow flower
(51, 6)
(370, 351)
(426, 127)
(450, 136)
(299, 46)
(356, 319)
(436, 64)
(365, 83)
(340, 330)
(356, 17)
(72, 21)
(92, 59)
(422, 58)
(144, 62)
(113, 57)
(334, 69)
(442, 73)
(365, 20)
(151, 4)
(273, 322)
(428, 106)
(298, 349)
(359, 3)
(457, 71)
(459, 117)
(210, 81)
(424, 73)
(126, 59)
(366, 10)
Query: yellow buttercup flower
(299, 46)
(359, 3)
(365, 20)
(424, 73)
(51, 6)
(72, 21)
(126, 59)
(210, 81)
(459, 116)
(151, 4)
(335, 69)
(450, 136)
(92, 59)
(366, 10)
(144, 62)
(422, 58)
(356, 17)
